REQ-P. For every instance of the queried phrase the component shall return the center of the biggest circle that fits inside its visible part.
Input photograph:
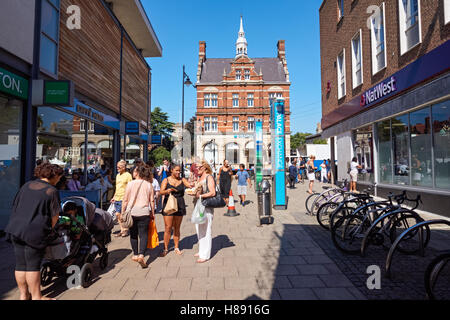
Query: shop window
(441, 137)
(364, 152)
(384, 151)
(10, 132)
(421, 166)
(400, 143)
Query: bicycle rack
(365, 241)
(404, 233)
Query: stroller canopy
(88, 207)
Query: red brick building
(232, 93)
(386, 90)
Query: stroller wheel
(46, 274)
(104, 261)
(86, 274)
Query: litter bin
(265, 203)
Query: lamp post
(186, 82)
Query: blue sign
(132, 127)
(279, 153)
(156, 139)
(89, 113)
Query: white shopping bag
(112, 211)
(198, 215)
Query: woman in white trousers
(204, 234)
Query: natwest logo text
(379, 91)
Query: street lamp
(186, 82)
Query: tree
(159, 123)
(320, 141)
(159, 154)
(298, 140)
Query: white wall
(344, 154)
(17, 27)
(321, 151)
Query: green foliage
(160, 124)
(320, 141)
(159, 154)
(298, 140)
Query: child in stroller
(82, 233)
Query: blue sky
(181, 24)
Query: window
(91, 126)
(207, 124)
(251, 124)
(378, 36)
(235, 124)
(341, 74)
(340, 4)
(238, 75)
(364, 151)
(232, 153)
(441, 137)
(235, 100)
(357, 60)
(210, 100)
(400, 143)
(214, 126)
(421, 168)
(247, 74)
(446, 11)
(410, 28)
(49, 36)
(250, 101)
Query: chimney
(201, 58)
(281, 50)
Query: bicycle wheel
(348, 232)
(437, 278)
(344, 209)
(309, 201)
(324, 213)
(410, 244)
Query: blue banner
(279, 154)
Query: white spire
(241, 43)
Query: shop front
(79, 138)
(13, 99)
(399, 131)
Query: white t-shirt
(324, 168)
(354, 167)
(155, 186)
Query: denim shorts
(118, 206)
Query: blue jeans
(118, 206)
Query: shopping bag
(112, 211)
(153, 240)
(198, 215)
(171, 205)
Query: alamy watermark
(74, 20)
(374, 280)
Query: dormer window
(247, 74)
(238, 74)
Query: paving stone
(149, 284)
(333, 294)
(174, 284)
(188, 295)
(309, 281)
(312, 269)
(297, 294)
(318, 259)
(286, 270)
(116, 295)
(152, 295)
(335, 280)
(222, 271)
(111, 284)
(228, 294)
(192, 272)
(199, 284)
(241, 283)
(79, 294)
(163, 272)
(291, 260)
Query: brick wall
(336, 35)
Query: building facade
(234, 93)
(99, 46)
(385, 94)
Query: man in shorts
(243, 180)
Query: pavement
(291, 259)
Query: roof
(272, 69)
(132, 16)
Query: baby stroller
(79, 236)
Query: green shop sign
(56, 92)
(13, 84)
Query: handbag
(112, 211)
(198, 215)
(214, 202)
(171, 205)
(153, 239)
(127, 219)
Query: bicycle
(321, 198)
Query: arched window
(232, 153)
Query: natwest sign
(379, 91)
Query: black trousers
(291, 181)
(139, 235)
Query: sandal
(202, 260)
(142, 263)
(178, 251)
(135, 258)
(125, 234)
(118, 235)
(164, 253)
